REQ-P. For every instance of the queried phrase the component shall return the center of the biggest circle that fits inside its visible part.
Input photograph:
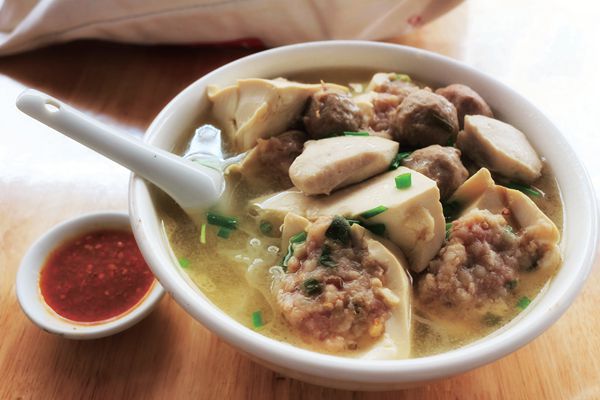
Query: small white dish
(28, 277)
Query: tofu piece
(260, 108)
(396, 341)
(266, 166)
(414, 219)
(500, 147)
(332, 163)
(480, 191)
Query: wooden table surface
(547, 50)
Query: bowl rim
(359, 370)
(27, 280)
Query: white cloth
(27, 24)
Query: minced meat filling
(333, 291)
(479, 261)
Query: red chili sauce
(96, 276)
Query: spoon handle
(191, 185)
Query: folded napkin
(27, 24)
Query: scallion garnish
(403, 181)
(523, 302)
(312, 287)
(397, 161)
(325, 258)
(403, 78)
(528, 190)
(224, 232)
(373, 212)
(296, 239)
(491, 319)
(257, 320)
(184, 262)
(377, 229)
(348, 133)
(266, 227)
(451, 210)
(448, 228)
(221, 220)
(339, 230)
(203, 234)
(451, 141)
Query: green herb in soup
(371, 216)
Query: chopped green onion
(221, 220)
(373, 212)
(224, 232)
(403, 181)
(311, 287)
(347, 133)
(528, 190)
(403, 78)
(286, 258)
(184, 262)
(448, 228)
(339, 230)
(298, 237)
(325, 258)
(523, 302)
(510, 285)
(203, 234)
(377, 229)
(451, 210)
(491, 319)
(257, 320)
(266, 227)
(397, 161)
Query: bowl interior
(28, 289)
(580, 213)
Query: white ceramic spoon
(193, 186)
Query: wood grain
(538, 47)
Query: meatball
(466, 100)
(267, 165)
(442, 164)
(333, 293)
(331, 113)
(424, 118)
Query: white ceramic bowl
(579, 242)
(28, 275)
